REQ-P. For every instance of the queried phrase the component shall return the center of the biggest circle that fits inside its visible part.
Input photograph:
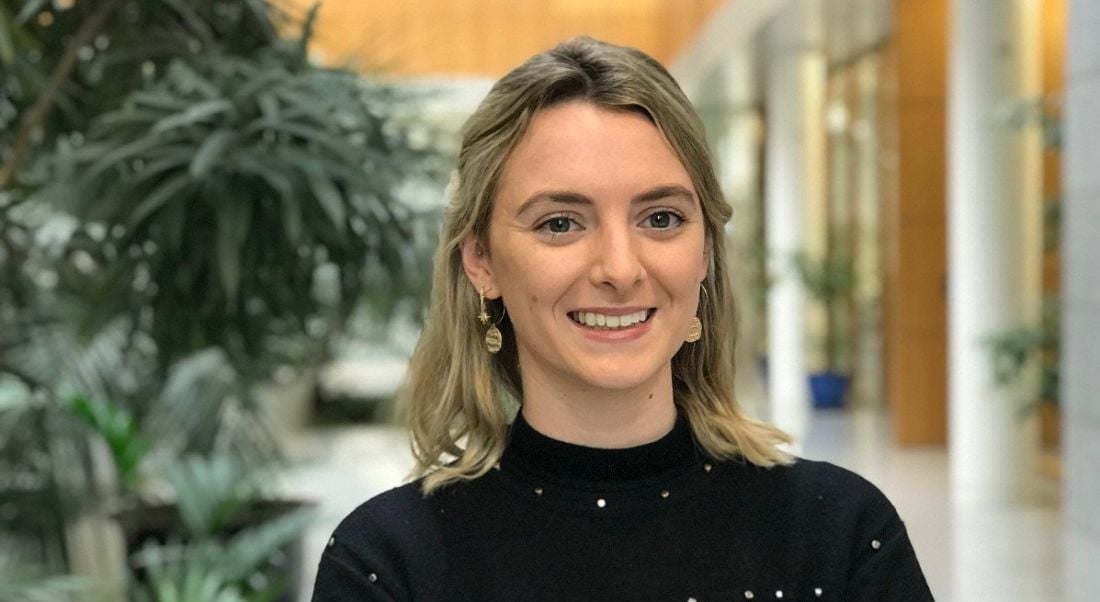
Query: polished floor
(1002, 552)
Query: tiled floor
(994, 552)
(1009, 552)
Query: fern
(29, 587)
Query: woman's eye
(662, 220)
(557, 225)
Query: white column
(868, 388)
(794, 198)
(993, 240)
(737, 153)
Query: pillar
(738, 140)
(794, 198)
(993, 240)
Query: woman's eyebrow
(664, 192)
(575, 198)
(554, 196)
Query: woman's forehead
(592, 151)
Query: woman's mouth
(601, 321)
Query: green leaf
(124, 118)
(190, 573)
(156, 99)
(292, 220)
(7, 43)
(210, 152)
(195, 24)
(194, 114)
(330, 199)
(114, 423)
(232, 228)
(212, 492)
(252, 547)
(163, 194)
(314, 106)
(193, 398)
(258, 82)
(282, 186)
(26, 586)
(176, 157)
(310, 133)
(121, 154)
(174, 223)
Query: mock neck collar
(567, 461)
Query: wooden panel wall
(1053, 66)
(914, 237)
(1054, 52)
(489, 37)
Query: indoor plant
(1014, 350)
(830, 281)
(217, 505)
(269, 195)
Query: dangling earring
(493, 338)
(695, 329)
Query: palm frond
(30, 587)
(212, 491)
(211, 571)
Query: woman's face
(597, 245)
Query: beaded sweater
(661, 521)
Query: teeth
(600, 320)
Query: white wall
(1081, 318)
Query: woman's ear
(475, 262)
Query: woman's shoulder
(404, 513)
(822, 481)
(380, 548)
(844, 506)
(826, 507)
(400, 508)
(837, 480)
(827, 495)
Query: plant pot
(828, 389)
(160, 524)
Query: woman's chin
(620, 380)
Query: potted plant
(218, 505)
(830, 282)
(1014, 350)
(187, 206)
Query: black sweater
(657, 522)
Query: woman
(581, 285)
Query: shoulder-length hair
(459, 398)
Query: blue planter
(828, 389)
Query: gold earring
(493, 338)
(695, 329)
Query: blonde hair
(459, 398)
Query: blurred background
(217, 220)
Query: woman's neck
(609, 419)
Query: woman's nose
(616, 260)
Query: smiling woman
(595, 217)
(581, 277)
